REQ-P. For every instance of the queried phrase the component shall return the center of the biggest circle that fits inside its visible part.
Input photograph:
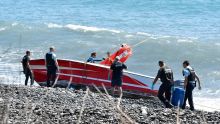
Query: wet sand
(20, 104)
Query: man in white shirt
(189, 84)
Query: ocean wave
(3, 28)
(82, 28)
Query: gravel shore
(20, 104)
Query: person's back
(117, 73)
(117, 68)
(166, 74)
(52, 66)
(50, 60)
(25, 60)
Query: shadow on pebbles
(20, 105)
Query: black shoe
(168, 105)
(192, 109)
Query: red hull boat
(77, 72)
(89, 74)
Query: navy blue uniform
(117, 73)
(166, 76)
(189, 73)
(27, 70)
(51, 68)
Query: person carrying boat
(52, 66)
(166, 76)
(117, 74)
(92, 58)
(190, 78)
(26, 68)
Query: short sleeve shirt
(186, 72)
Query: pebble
(56, 105)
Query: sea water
(173, 31)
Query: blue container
(178, 96)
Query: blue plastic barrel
(178, 96)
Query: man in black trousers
(26, 68)
(166, 76)
(189, 84)
(52, 66)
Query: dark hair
(93, 54)
(161, 62)
(28, 52)
(186, 62)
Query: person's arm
(46, 61)
(198, 81)
(56, 63)
(185, 82)
(125, 67)
(186, 73)
(157, 77)
(97, 60)
(28, 65)
(58, 69)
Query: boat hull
(80, 73)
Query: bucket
(178, 96)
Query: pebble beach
(37, 105)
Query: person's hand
(152, 86)
(58, 70)
(199, 87)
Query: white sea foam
(207, 104)
(143, 33)
(184, 41)
(52, 25)
(81, 28)
(14, 24)
(3, 28)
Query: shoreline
(56, 105)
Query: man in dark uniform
(166, 76)
(117, 75)
(26, 68)
(52, 66)
(189, 84)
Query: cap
(117, 57)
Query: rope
(117, 106)
(140, 42)
(83, 106)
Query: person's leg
(190, 97)
(53, 76)
(168, 92)
(48, 77)
(160, 94)
(185, 98)
(32, 78)
(26, 77)
(120, 91)
(113, 91)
